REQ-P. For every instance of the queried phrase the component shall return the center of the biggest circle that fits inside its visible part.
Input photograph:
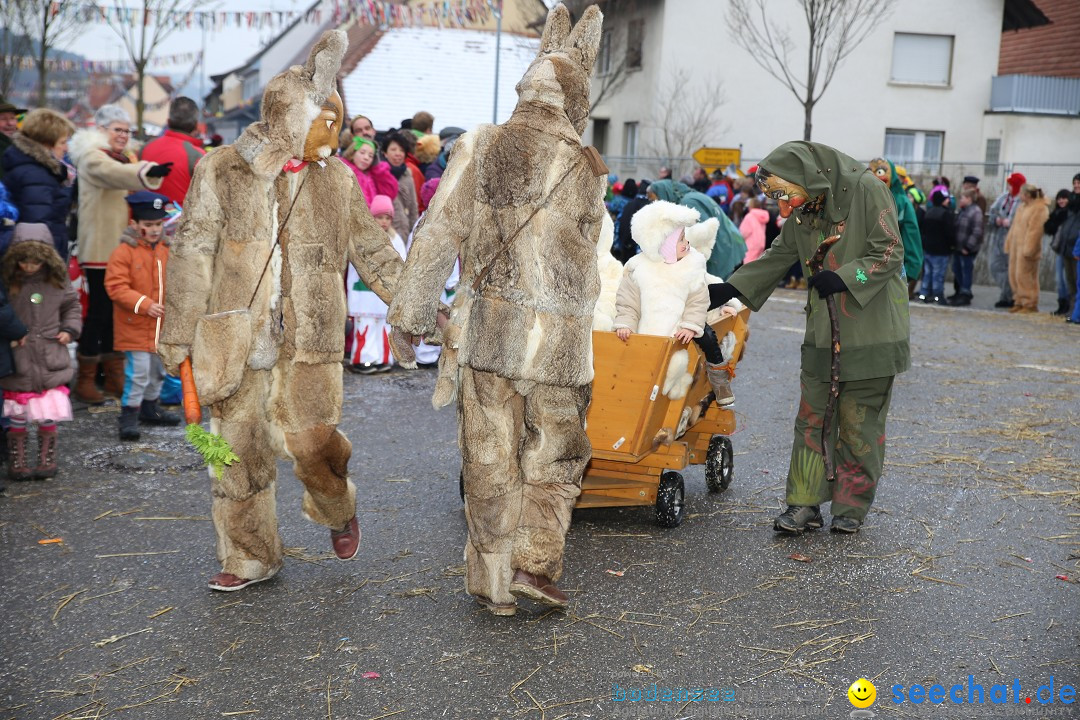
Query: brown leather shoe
(501, 609)
(538, 588)
(227, 582)
(346, 542)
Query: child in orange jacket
(135, 281)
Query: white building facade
(916, 89)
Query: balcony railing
(1035, 94)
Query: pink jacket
(752, 228)
(376, 181)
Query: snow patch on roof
(448, 72)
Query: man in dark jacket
(627, 247)
(9, 124)
(179, 147)
(938, 231)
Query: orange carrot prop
(215, 450)
(192, 409)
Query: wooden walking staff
(827, 450)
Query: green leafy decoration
(215, 450)
(805, 478)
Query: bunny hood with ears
(654, 222)
(558, 79)
(291, 102)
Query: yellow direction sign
(709, 157)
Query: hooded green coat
(869, 258)
(730, 248)
(909, 226)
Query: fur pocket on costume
(219, 354)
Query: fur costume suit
(522, 207)
(268, 361)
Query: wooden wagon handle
(192, 408)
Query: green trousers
(859, 437)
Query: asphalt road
(954, 574)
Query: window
(993, 156)
(919, 150)
(599, 134)
(603, 61)
(922, 59)
(630, 139)
(635, 37)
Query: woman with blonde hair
(107, 173)
(1024, 246)
(37, 178)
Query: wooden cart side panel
(624, 416)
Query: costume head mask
(322, 137)
(819, 180)
(559, 76)
(787, 194)
(294, 101)
(882, 170)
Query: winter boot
(46, 460)
(16, 464)
(1064, 307)
(85, 389)
(151, 413)
(129, 423)
(113, 363)
(720, 379)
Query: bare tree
(48, 28)
(14, 44)
(686, 114)
(158, 20)
(835, 27)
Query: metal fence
(1051, 177)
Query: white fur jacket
(657, 298)
(611, 271)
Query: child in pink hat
(370, 334)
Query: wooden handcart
(641, 439)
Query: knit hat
(450, 132)
(652, 226)
(669, 248)
(971, 179)
(360, 141)
(382, 205)
(1016, 181)
(427, 190)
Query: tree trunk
(140, 104)
(808, 108)
(43, 76)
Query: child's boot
(113, 367)
(85, 388)
(46, 460)
(720, 379)
(16, 465)
(150, 412)
(129, 423)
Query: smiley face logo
(862, 693)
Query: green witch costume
(823, 193)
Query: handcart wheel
(461, 485)
(719, 464)
(670, 500)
